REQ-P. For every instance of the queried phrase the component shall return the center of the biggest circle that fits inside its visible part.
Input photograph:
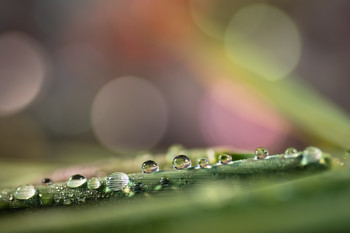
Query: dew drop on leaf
(93, 183)
(76, 181)
(203, 163)
(24, 192)
(291, 152)
(181, 162)
(312, 155)
(164, 181)
(138, 187)
(46, 181)
(261, 153)
(117, 181)
(225, 158)
(149, 166)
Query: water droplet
(203, 163)
(46, 181)
(117, 181)
(164, 181)
(225, 158)
(93, 183)
(76, 181)
(149, 166)
(24, 192)
(261, 153)
(291, 152)
(312, 155)
(138, 187)
(181, 162)
(67, 201)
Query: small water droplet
(46, 181)
(181, 162)
(67, 201)
(312, 155)
(117, 181)
(203, 163)
(225, 158)
(261, 153)
(93, 183)
(76, 181)
(138, 187)
(291, 152)
(24, 192)
(164, 181)
(149, 166)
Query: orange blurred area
(125, 76)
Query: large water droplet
(24, 192)
(203, 163)
(261, 153)
(225, 158)
(291, 152)
(46, 181)
(181, 162)
(93, 183)
(312, 155)
(149, 166)
(117, 181)
(76, 181)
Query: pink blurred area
(56, 58)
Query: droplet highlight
(24, 192)
(117, 181)
(225, 158)
(46, 182)
(76, 181)
(203, 163)
(312, 155)
(261, 153)
(93, 183)
(181, 162)
(150, 166)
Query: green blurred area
(237, 73)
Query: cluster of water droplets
(78, 187)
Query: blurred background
(116, 77)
